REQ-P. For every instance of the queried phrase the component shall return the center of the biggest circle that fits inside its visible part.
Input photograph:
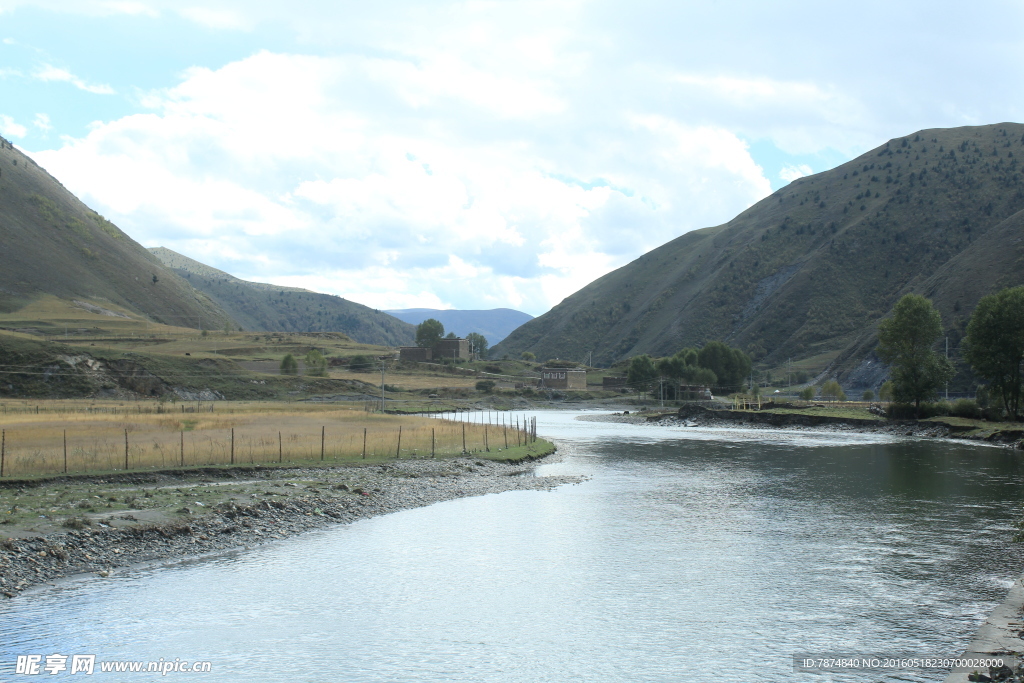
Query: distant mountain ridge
(808, 272)
(494, 324)
(272, 308)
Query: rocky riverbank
(699, 416)
(157, 517)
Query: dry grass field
(80, 436)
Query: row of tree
(994, 346)
(714, 365)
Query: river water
(688, 555)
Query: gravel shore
(243, 508)
(725, 419)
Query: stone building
(563, 378)
(452, 348)
(414, 354)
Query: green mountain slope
(55, 244)
(272, 308)
(809, 271)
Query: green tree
(485, 385)
(528, 356)
(428, 333)
(807, 393)
(289, 366)
(316, 364)
(642, 371)
(730, 365)
(831, 391)
(885, 391)
(478, 343)
(995, 345)
(905, 342)
(868, 395)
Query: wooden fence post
(463, 437)
(323, 435)
(364, 443)
(183, 447)
(65, 451)
(431, 442)
(126, 450)
(232, 445)
(506, 436)
(487, 446)
(3, 450)
(398, 451)
(280, 449)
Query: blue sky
(472, 154)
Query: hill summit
(808, 272)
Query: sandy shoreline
(279, 503)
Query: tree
(995, 345)
(868, 395)
(807, 393)
(485, 385)
(478, 343)
(316, 364)
(905, 342)
(528, 356)
(885, 391)
(831, 391)
(642, 371)
(428, 333)
(730, 365)
(289, 366)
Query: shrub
(868, 396)
(528, 356)
(289, 366)
(485, 385)
(831, 391)
(807, 393)
(965, 407)
(362, 363)
(496, 369)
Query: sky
(473, 155)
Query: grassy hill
(53, 244)
(494, 324)
(263, 307)
(807, 273)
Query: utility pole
(382, 367)
(947, 358)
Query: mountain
(807, 273)
(494, 324)
(274, 308)
(54, 244)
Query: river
(687, 555)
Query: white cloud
(791, 173)
(10, 128)
(398, 182)
(42, 122)
(49, 73)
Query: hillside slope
(272, 308)
(55, 244)
(494, 324)
(809, 271)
